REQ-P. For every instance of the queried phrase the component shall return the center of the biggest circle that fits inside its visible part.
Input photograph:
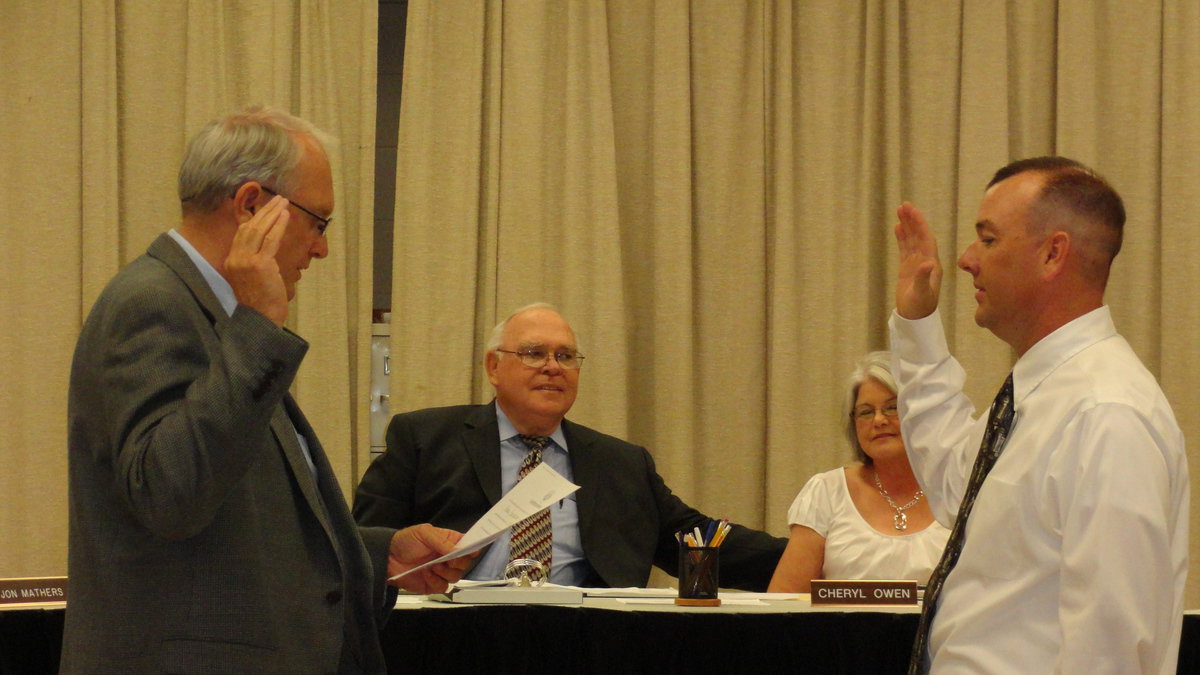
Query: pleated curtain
(99, 99)
(706, 189)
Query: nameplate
(841, 592)
(33, 590)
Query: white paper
(588, 591)
(725, 600)
(537, 490)
(404, 599)
(630, 592)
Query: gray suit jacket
(200, 539)
(442, 466)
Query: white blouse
(854, 549)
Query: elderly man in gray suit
(207, 529)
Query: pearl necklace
(900, 519)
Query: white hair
(497, 335)
(874, 366)
(258, 144)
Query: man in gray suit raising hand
(207, 529)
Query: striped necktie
(999, 424)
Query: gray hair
(497, 334)
(874, 366)
(258, 144)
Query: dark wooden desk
(596, 638)
(604, 636)
(30, 640)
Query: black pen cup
(698, 575)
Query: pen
(722, 532)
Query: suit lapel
(481, 438)
(586, 470)
(286, 435)
(287, 419)
(167, 250)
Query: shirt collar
(1058, 347)
(220, 287)
(508, 431)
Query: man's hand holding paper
(538, 490)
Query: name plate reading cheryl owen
(842, 592)
(33, 591)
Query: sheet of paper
(771, 597)
(725, 600)
(537, 490)
(479, 583)
(630, 592)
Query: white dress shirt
(1076, 550)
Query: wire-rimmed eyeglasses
(866, 413)
(536, 358)
(322, 222)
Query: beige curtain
(706, 190)
(99, 100)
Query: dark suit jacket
(442, 465)
(199, 538)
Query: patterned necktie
(999, 424)
(532, 538)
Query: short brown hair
(1073, 188)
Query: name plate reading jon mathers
(841, 592)
(33, 590)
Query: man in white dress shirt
(1075, 553)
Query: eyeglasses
(536, 358)
(867, 414)
(323, 222)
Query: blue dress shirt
(568, 567)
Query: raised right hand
(251, 267)
(919, 281)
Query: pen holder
(698, 578)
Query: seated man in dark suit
(448, 466)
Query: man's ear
(490, 363)
(246, 199)
(1055, 252)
